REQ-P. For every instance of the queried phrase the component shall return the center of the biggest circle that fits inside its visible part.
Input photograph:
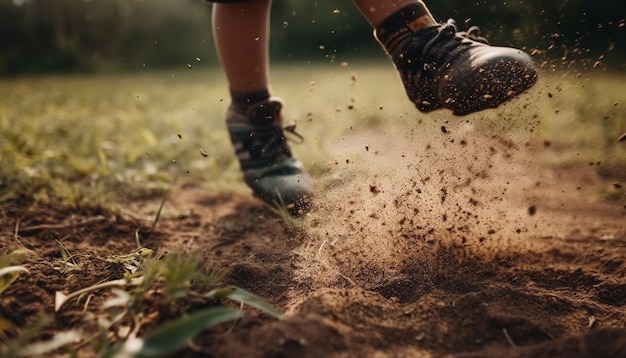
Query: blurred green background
(43, 36)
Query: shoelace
(278, 136)
(292, 129)
(473, 33)
(440, 41)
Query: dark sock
(241, 101)
(400, 25)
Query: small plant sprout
(133, 262)
(176, 278)
(67, 262)
(180, 273)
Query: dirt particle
(444, 130)
(374, 189)
(532, 210)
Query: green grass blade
(9, 274)
(18, 256)
(65, 254)
(250, 299)
(172, 336)
(158, 214)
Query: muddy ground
(461, 244)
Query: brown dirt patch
(470, 248)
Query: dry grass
(99, 138)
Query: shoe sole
(503, 81)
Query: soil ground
(472, 247)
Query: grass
(588, 115)
(86, 139)
(97, 140)
(175, 279)
(109, 136)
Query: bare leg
(241, 33)
(253, 119)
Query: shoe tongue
(265, 112)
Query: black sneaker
(268, 166)
(442, 67)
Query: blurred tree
(323, 31)
(74, 35)
(82, 35)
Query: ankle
(402, 24)
(242, 101)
